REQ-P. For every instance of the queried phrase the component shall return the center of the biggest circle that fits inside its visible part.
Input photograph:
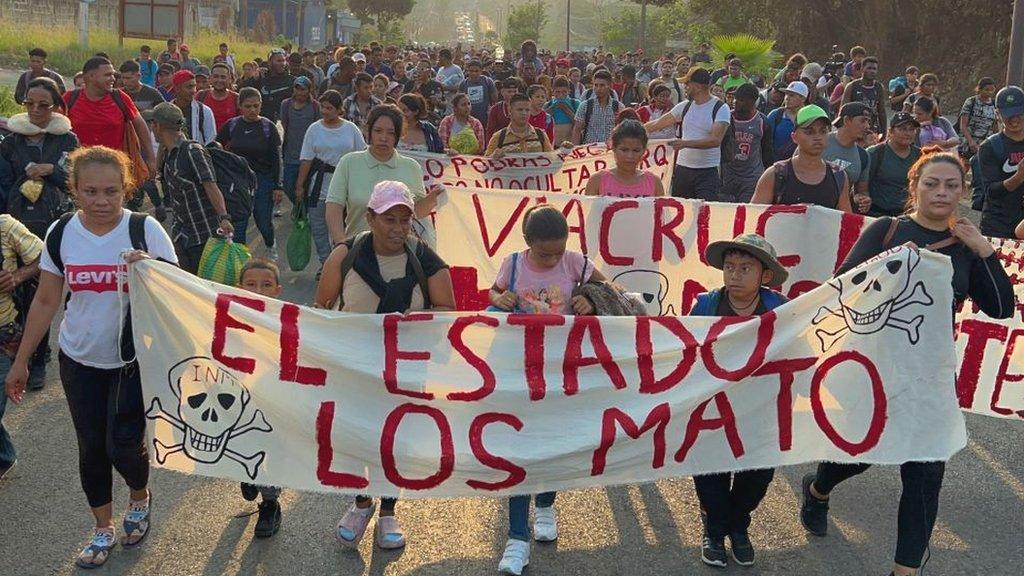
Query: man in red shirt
(498, 115)
(220, 98)
(98, 119)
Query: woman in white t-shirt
(90, 250)
(326, 141)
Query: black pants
(106, 409)
(698, 183)
(919, 502)
(729, 508)
(189, 257)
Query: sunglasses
(38, 106)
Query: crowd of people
(216, 146)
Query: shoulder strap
(512, 273)
(714, 111)
(137, 230)
(540, 134)
(501, 137)
(348, 261)
(894, 223)
(679, 125)
(864, 158)
(838, 177)
(54, 239)
(876, 160)
(116, 96)
(202, 122)
(781, 175)
(75, 94)
(589, 103)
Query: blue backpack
(979, 188)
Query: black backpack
(236, 180)
(590, 102)
(37, 216)
(728, 140)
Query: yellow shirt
(16, 244)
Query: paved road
(650, 530)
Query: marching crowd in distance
(216, 145)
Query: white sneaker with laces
(515, 558)
(545, 526)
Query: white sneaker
(545, 526)
(515, 558)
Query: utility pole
(1015, 64)
(568, 11)
(643, 23)
(83, 22)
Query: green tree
(620, 32)
(385, 14)
(758, 55)
(526, 22)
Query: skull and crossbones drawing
(866, 304)
(211, 404)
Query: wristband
(224, 218)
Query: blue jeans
(291, 176)
(7, 453)
(318, 226)
(263, 208)
(519, 514)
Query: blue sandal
(136, 523)
(98, 551)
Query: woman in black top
(32, 159)
(937, 181)
(256, 139)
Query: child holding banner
(262, 276)
(749, 265)
(936, 183)
(626, 180)
(539, 280)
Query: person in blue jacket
(749, 265)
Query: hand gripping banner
(465, 404)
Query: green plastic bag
(300, 239)
(222, 260)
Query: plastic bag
(300, 239)
(222, 260)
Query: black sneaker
(36, 377)
(269, 520)
(713, 553)
(250, 491)
(813, 512)
(7, 468)
(742, 549)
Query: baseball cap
(388, 194)
(797, 87)
(202, 71)
(359, 57)
(901, 118)
(809, 114)
(302, 81)
(853, 110)
(1010, 101)
(812, 71)
(562, 62)
(165, 69)
(169, 115)
(699, 76)
(183, 48)
(180, 77)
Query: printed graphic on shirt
(548, 300)
(838, 164)
(475, 93)
(1013, 162)
(96, 277)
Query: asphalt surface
(643, 530)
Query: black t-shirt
(430, 89)
(186, 113)
(258, 142)
(983, 280)
(869, 96)
(1003, 209)
(146, 98)
(275, 88)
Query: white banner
(462, 404)
(656, 247)
(559, 171)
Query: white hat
(359, 57)
(797, 87)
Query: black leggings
(919, 503)
(106, 408)
(729, 499)
(386, 504)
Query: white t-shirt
(697, 126)
(93, 269)
(330, 144)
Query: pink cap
(388, 194)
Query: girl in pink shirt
(626, 180)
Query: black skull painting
(652, 288)
(211, 405)
(871, 300)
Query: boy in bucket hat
(749, 265)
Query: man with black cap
(630, 92)
(890, 163)
(704, 121)
(190, 184)
(998, 167)
(843, 153)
